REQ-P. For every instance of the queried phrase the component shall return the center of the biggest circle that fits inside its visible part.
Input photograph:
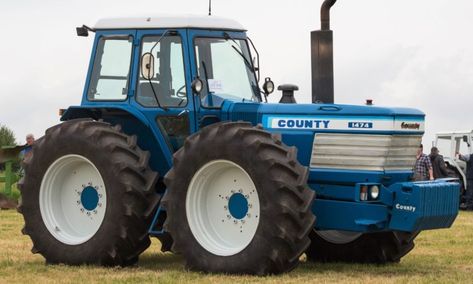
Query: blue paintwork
(89, 198)
(403, 206)
(156, 227)
(338, 205)
(238, 206)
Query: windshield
(225, 65)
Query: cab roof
(454, 133)
(168, 21)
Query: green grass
(442, 256)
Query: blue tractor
(173, 139)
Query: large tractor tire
(88, 195)
(341, 246)
(238, 202)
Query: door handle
(183, 112)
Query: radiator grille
(364, 152)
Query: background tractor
(451, 143)
(173, 139)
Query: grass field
(442, 256)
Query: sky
(399, 53)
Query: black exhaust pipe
(322, 58)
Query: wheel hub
(222, 207)
(89, 198)
(238, 206)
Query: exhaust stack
(322, 58)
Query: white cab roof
(168, 21)
(454, 133)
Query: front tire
(237, 202)
(87, 195)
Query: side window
(168, 85)
(111, 71)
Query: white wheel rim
(222, 208)
(72, 199)
(338, 237)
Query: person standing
(29, 146)
(423, 168)
(438, 164)
(469, 181)
(25, 153)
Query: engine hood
(330, 118)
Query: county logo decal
(406, 125)
(303, 123)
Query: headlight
(374, 192)
(268, 86)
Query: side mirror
(268, 86)
(147, 66)
(82, 31)
(197, 86)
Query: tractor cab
(174, 70)
(451, 143)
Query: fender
(133, 122)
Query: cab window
(111, 71)
(168, 85)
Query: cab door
(222, 60)
(166, 98)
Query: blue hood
(329, 118)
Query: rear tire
(238, 202)
(381, 247)
(88, 194)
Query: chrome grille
(364, 151)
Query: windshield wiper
(247, 62)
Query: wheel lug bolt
(243, 221)
(240, 190)
(248, 215)
(250, 205)
(225, 207)
(229, 217)
(235, 222)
